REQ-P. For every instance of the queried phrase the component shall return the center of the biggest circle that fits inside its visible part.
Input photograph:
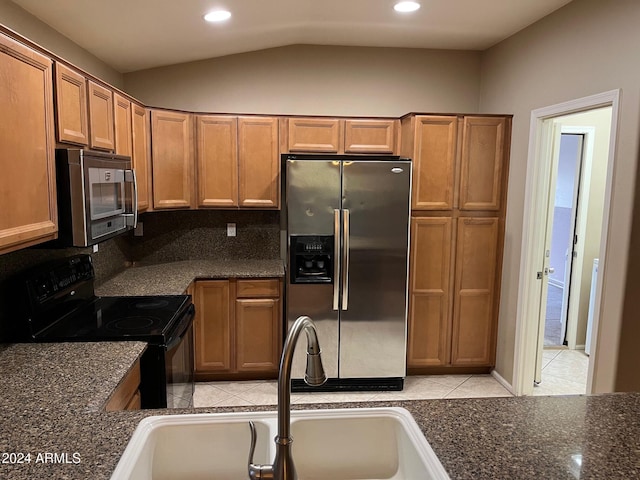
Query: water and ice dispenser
(311, 258)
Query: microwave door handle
(134, 204)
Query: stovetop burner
(151, 303)
(132, 323)
(149, 319)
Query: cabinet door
(259, 162)
(71, 106)
(257, 334)
(212, 327)
(27, 183)
(482, 163)
(100, 117)
(172, 159)
(122, 120)
(315, 135)
(434, 162)
(217, 161)
(140, 154)
(430, 286)
(370, 136)
(474, 316)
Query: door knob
(551, 270)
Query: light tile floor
(561, 371)
(564, 372)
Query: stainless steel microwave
(97, 196)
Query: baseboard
(502, 382)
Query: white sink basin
(346, 444)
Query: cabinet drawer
(258, 288)
(124, 396)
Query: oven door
(179, 368)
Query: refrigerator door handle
(336, 259)
(345, 259)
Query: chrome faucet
(283, 467)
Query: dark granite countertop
(53, 393)
(173, 278)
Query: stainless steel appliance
(347, 220)
(97, 196)
(56, 303)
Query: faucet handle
(257, 472)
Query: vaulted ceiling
(133, 35)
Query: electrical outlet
(95, 248)
(231, 229)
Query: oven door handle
(185, 323)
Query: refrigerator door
(376, 197)
(313, 208)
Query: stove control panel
(58, 277)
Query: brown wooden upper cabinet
(482, 162)
(217, 160)
(172, 159)
(431, 142)
(140, 158)
(122, 124)
(258, 162)
(101, 132)
(71, 106)
(370, 136)
(27, 183)
(458, 161)
(338, 135)
(324, 135)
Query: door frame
(532, 252)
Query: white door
(543, 274)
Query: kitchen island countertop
(52, 397)
(173, 278)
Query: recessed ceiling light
(405, 7)
(217, 16)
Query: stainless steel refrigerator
(347, 228)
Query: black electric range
(58, 304)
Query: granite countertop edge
(482, 438)
(173, 278)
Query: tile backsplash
(202, 234)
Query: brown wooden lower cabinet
(237, 329)
(474, 316)
(127, 395)
(430, 287)
(453, 287)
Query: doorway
(563, 207)
(590, 228)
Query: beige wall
(585, 48)
(28, 26)
(320, 80)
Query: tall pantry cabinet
(460, 168)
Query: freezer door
(313, 208)
(376, 196)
